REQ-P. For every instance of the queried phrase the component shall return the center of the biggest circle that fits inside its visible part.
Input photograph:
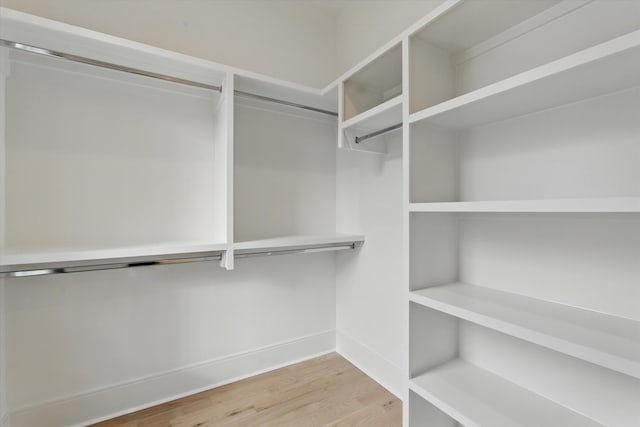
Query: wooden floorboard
(321, 392)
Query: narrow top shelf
(595, 205)
(387, 114)
(605, 340)
(605, 68)
(475, 397)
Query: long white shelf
(475, 397)
(387, 114)
(310, 243)
(595, 205)
(605, 68)
(605, 340)
(79, 260)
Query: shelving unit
(522, 210)
(475, 397)
(583, 75)
(605, 340)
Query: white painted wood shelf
(27, 261)
(579, 76)
(387, 114)
(590, 205)
(475, 397)
(609, 341)
(314, 243)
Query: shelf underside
(606, 68)
(605, 340)
(476, 397)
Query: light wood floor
(326, 391)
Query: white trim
(375, 366)
(99, 405)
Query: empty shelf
(605, 340)
(595, 205)
(387, 114)
(579, 76)
(476, 397)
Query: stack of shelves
(523, 207)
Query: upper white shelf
(382, 116)
(605, 68)
(595, 205)
(605, 340)
(475, 397)
(286, 243)
(112, 256)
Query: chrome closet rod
(336, 247)
(116, 67)
(279, 101)
(359, 139)
(45, 271)
(102, 64)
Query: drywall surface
(127, 336)
(371, 298)
(364, 26)
(289, 40)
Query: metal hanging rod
(43, 270)
(288, 103)
(313, 249)
(102, 64)
(359, 139)
(64, 267)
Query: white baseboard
(4, 419)
(113, 401)
(371, 363)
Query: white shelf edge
(475, 397)
(592, 54)
(79, 258)
(586, 205)
(372, 113)
(297, 241)
(541, 335)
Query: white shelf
(595, 205)
(605, 68)
(78, 258)
(296, 242)
(387, 114)
(477, 398)
(605, 340)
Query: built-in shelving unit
(475, 397)
(371, 102)
(606, 340)
(522, 209)
(583, 75)
(172, 175)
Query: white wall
(364, 26)
(289, 40)
(371, 298)
(3, 349)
